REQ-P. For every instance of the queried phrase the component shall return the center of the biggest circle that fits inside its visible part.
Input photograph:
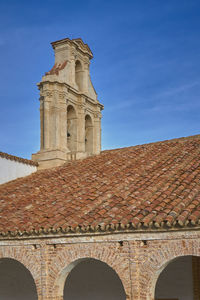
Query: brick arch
(66, 258)
(159, 259)
(30, 262)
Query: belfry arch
(89, 278)
(88, 134)
(71, 128)
(16, 281)
(79, 74)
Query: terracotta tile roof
(57, 68)
(18, 159)
(144, 187)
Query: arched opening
(180, 280)
(88, 135)
(71, 129)
(79, 75)
(91, 279)
(16, 282)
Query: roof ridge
(178, 139)
(17, 158)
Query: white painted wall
(11, 169)
(176, 282)
(16, 282)
(93, 280)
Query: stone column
(41, 123)
(81, 129)
(53, 120)
(72, 67)
(85, 77)
(46, 122)
(97, 133)
(58, 121)
(73, 73)
(63, 122)
(55, 127)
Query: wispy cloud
(178, 89)
(161, 105)
(167, 107)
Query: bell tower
(70, 113)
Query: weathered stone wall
(138, 259)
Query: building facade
(122, 224)
(138, 263)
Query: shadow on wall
(88, 135)
(179, 280)
(92, 279)
(16, 282)
(79, 75)
(71, 129)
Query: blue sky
(146, 66)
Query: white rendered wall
(176, 282)
(11, 169)
(93, 280)
(16, 282)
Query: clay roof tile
(134, 188)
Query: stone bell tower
(70, 114)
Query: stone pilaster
(97, 133)
(81, 129)
(63, 122)
(46, 123)
(85, 77)
(41, 123)
(72, 68)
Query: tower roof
(78, 42)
